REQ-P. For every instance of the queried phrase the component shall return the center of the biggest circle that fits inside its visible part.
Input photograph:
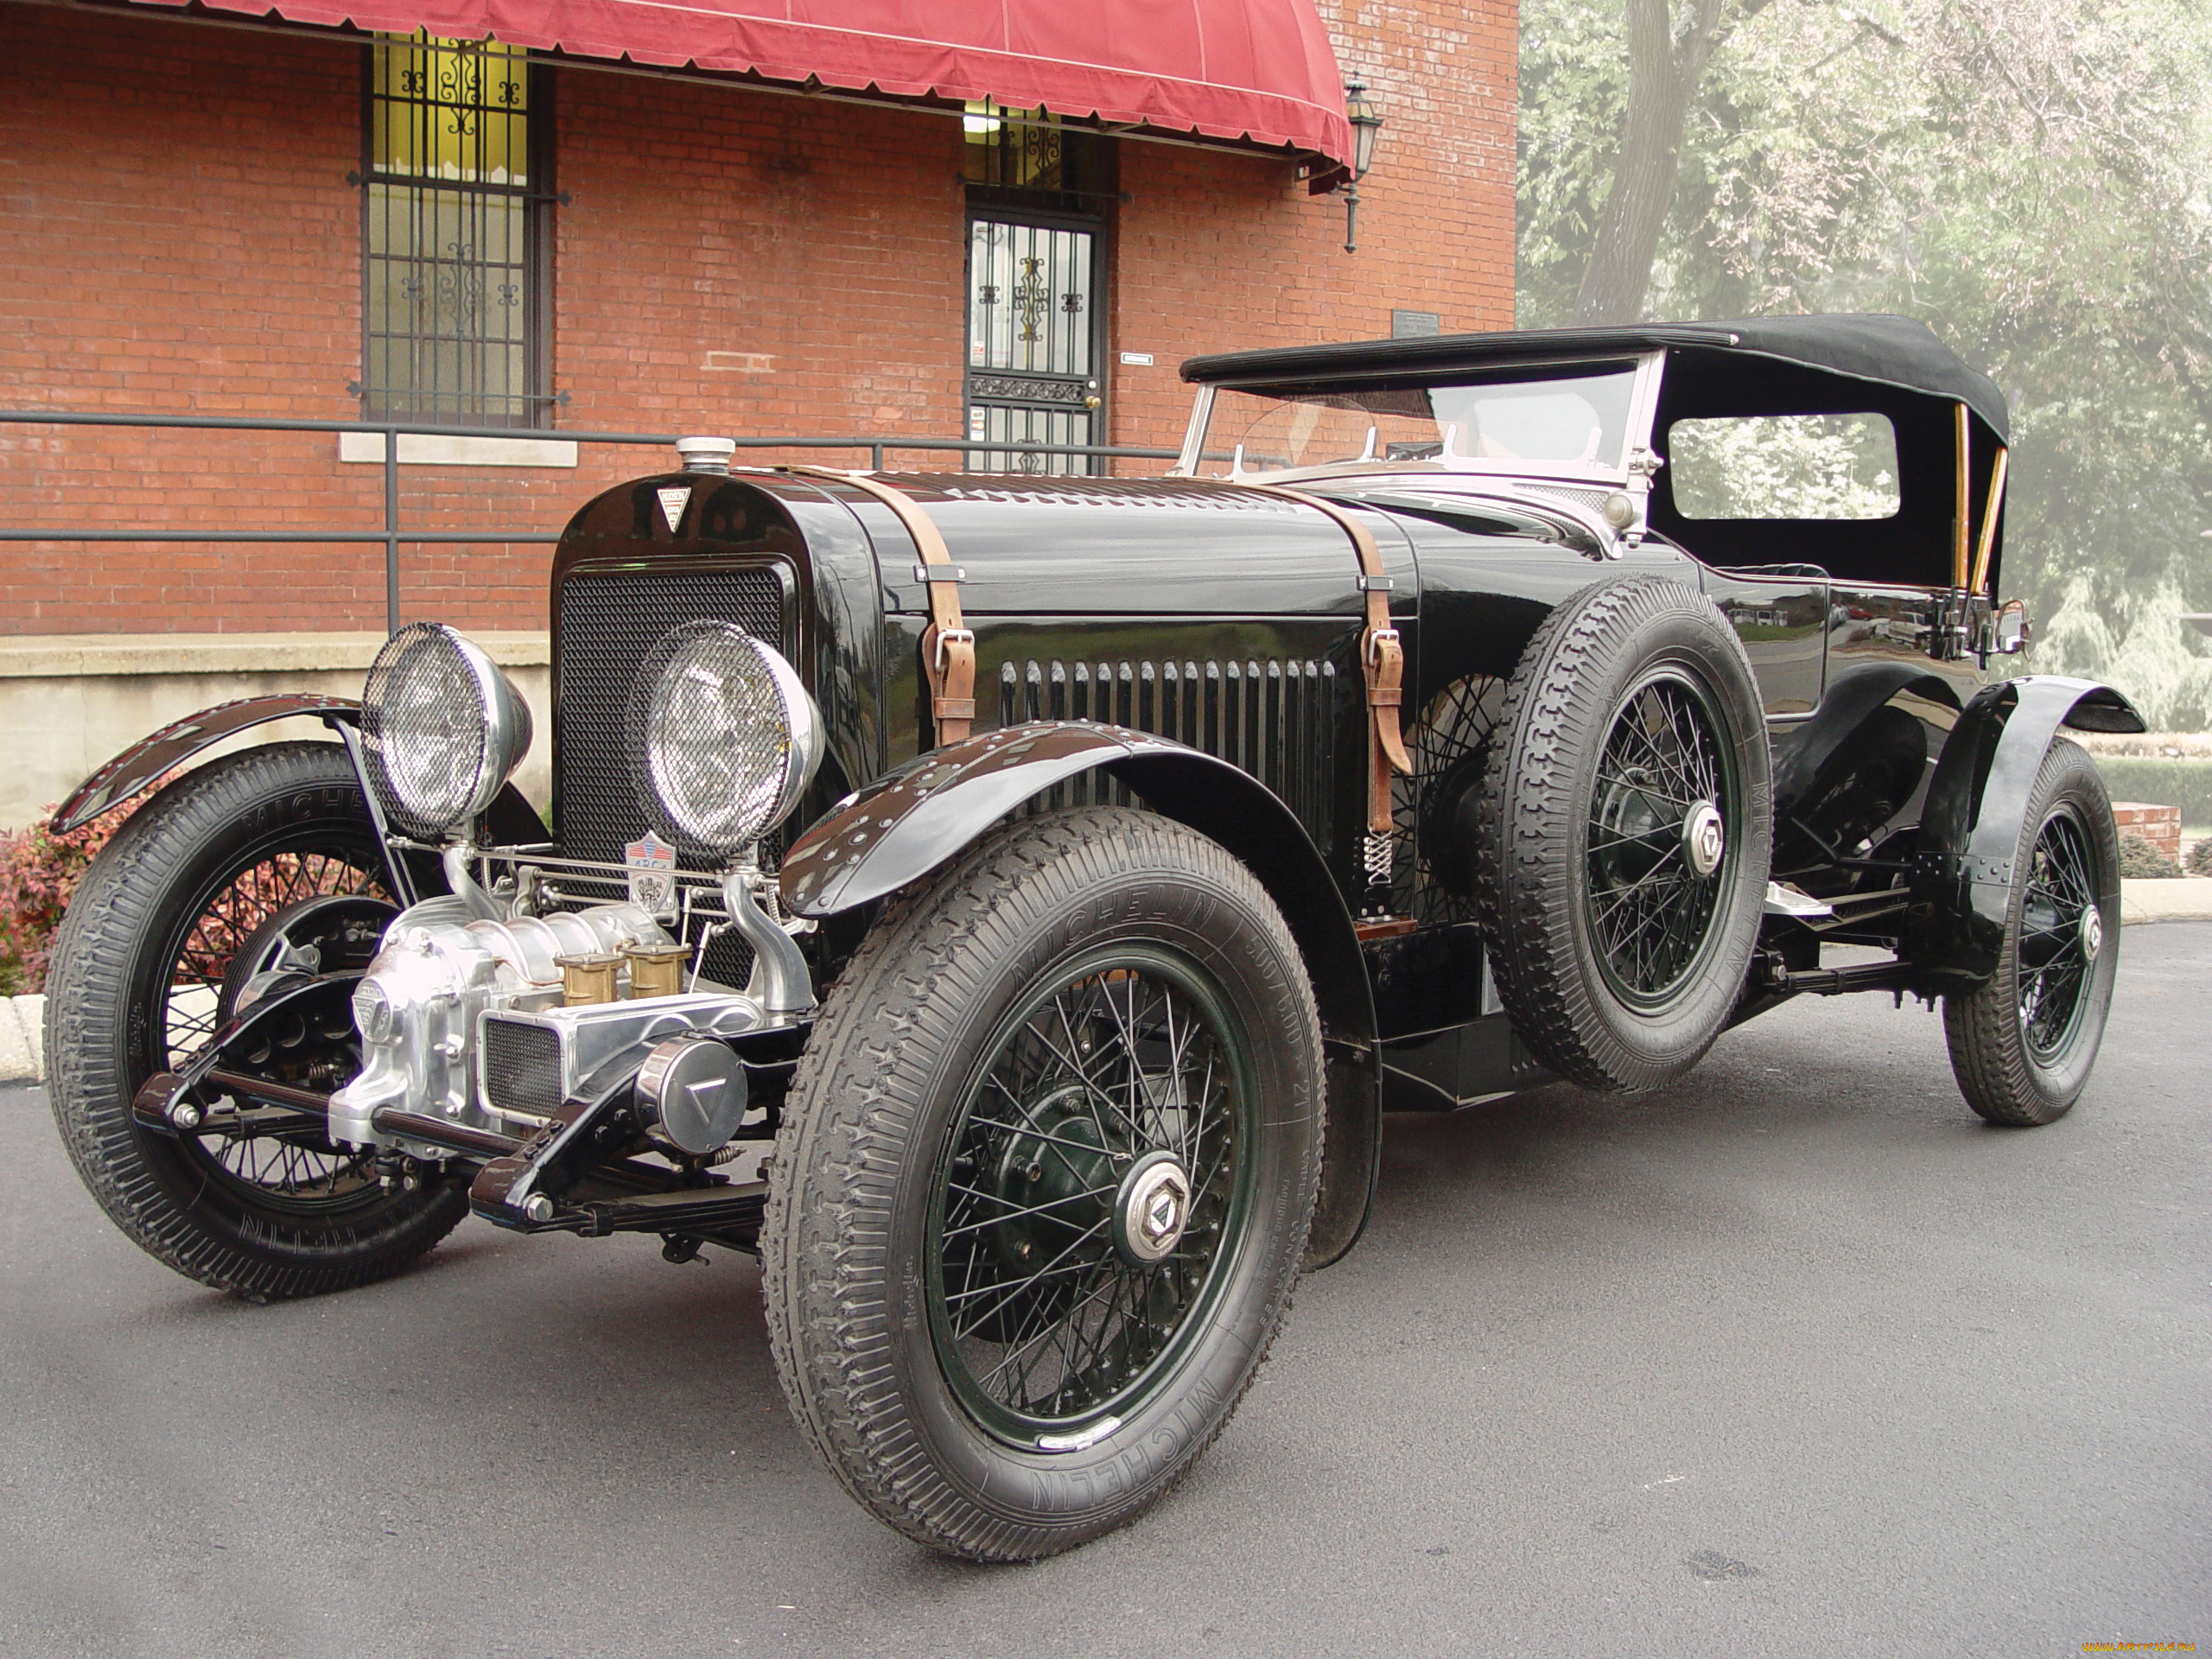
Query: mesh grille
(422, 726)
(1593, 499)
(609, 625)
(521, 1067)
(723, 747)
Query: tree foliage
(2034, 182)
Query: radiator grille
(609, 622)
(521, 1067)
(1271, 719)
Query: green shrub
(2185, 784)
(39, 871)
(2200, 857)
(2140, 859)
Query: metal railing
(392, 535)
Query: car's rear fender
(1970, 827)
(919, 817)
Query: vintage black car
(1007, 904)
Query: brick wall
(1219, 251)
(2159, 825)
(179, 237)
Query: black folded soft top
(1885, 350)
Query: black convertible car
(1007, 904)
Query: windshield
(1576, 419)
(1573, 419)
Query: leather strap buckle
(951, 640)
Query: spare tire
(1623, 834)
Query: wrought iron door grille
(1032, 342)
(451, 266)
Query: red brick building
(204, 213)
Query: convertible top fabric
(1888, 351)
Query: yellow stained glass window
(452, 281)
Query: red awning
(1259, 71)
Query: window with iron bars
(454, 203)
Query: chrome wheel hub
(2093, 933)
(1152, 1209)
(1704, 838)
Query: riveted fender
(510, 820)
(154, 756)
(915, 819)
(1970, 828)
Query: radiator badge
(652, 875)
(673, 499)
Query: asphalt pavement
(1795, 1358)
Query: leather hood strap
(1382, 659)
(949, 645)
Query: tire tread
(824, 1264)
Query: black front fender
(510, 820)
(152, 757)
(1970, 828)
(916, 819)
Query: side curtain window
(454, 236)
(1800, 467)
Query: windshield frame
(1643, 399)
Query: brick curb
(23, 1038)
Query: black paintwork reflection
(1781, 616)
(1161, 547)
(1977, 805)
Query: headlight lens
(441, 726)
(723, 735)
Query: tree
(2034, 182)
(1667, 57)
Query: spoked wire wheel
(1659, 827)
(1044, 1182)
(291, 1167)
(2022, 1043)
(2062, 934)
(1623, 834)
(1089, 1182)
(256, 1199)
(235, 909)
(1449, 745)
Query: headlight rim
(805, 741)
(501, 737)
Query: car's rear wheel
(1044, 1183)
(202, 874)
(1623, 834)
(2021, 1045)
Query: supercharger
(442, 966)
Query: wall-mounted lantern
(1366, 121)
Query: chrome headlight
(441, 726)
(722, 736)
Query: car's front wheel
(2022, 1043)
(1041, 1196)
(207, 873)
